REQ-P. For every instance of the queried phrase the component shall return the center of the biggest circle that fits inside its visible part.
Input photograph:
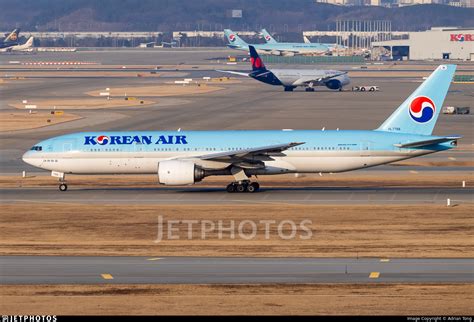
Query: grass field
(337, 231)
(305, 299)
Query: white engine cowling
(288, 54)
(177, 172)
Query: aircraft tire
(241, 187)
(62, 187)
(230, 188)
(253, 187)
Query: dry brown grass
(24, 120)
(87, 103)
(338, 231)
(159, 90)
(304, 299)
(83, 73)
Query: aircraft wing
(248, 158)
(232, 72)
(309, 79)
(418, 144)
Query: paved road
(268, 195)
(195, 270)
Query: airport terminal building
(437, 43)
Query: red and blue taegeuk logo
(103, 139)
(232, 37)
(422, 109)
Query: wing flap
(249, 153)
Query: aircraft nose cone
(26, 157)
(30, 159)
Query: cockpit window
(37, 148)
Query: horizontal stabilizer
(232, 72)
(427, 142)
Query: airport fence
(464, 79)
(313, 59)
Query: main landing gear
(243, 186)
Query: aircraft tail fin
(419, 112)
(13, 36)
(268, 38)
(256, 61)
(306, 40)
(29, 42)
(233, 39)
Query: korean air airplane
(187, 157)
(270, 40)
(275, 48)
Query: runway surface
(213, 196)
(207, 270)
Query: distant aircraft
(27, 46)
(278, 49)
(11, 39)
(172, 44)
(186, 157)
(270, 40)
(292, 78)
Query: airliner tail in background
(234, 40)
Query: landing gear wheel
(309, 89)
(241, 187)
(230, 188)
(362, 89)
(253, 187)
(289, 89)
(62, 187)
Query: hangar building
(437, 43)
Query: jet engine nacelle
(288, 54)
(334, 84)
(276, 52)
(178, 172)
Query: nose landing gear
(62, 180)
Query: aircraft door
(365, 148)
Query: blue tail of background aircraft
(233, 39)
(268, 38)
(419, 112)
